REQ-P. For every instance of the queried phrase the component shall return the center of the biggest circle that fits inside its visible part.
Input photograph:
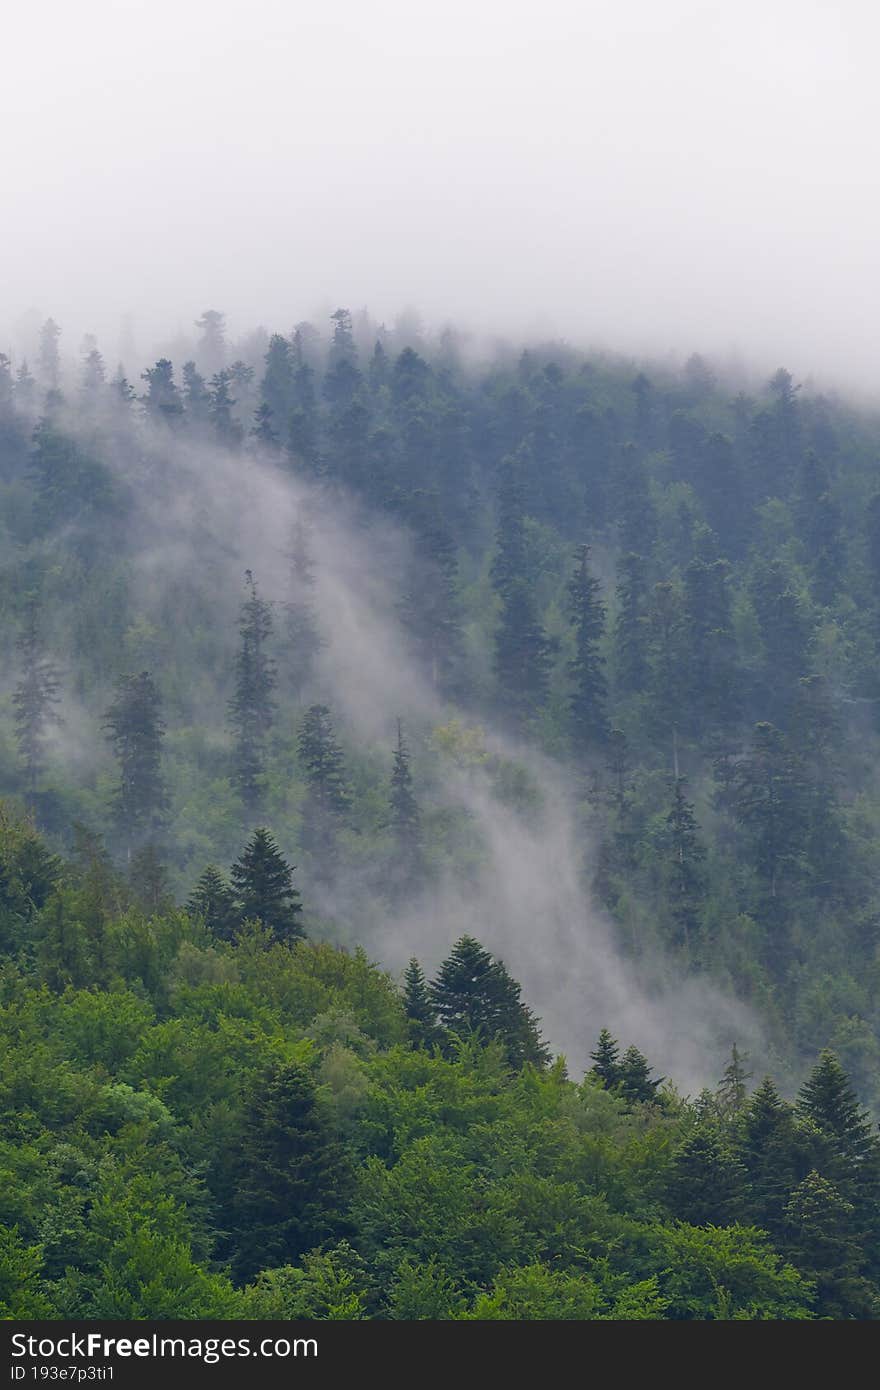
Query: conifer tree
(213, 901)
(406, 820)
(706, 1182)
(162, 401)
(821, 1237)
(262, 881)
(632, 628)
(686, 857)
(773, 1152)
(34, 698)
(474, 995)
(136, 730)
(294, 1176)
(634, 1079)
(606, 1060)
(226, 427)
(49, 359)
(430, 607)
(211, 352)
(589, 723)
(420, 1011)
(252, 707)
(149, 881)
(849, 1151)
(304, 640)
(732, 1091)
(327, 798)
(196, 396)
(276, 387)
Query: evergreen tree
(213, 901)
(262, 881)
(474, 995)
(252, 707)
(49, 359)
(406, 820)
(606, 1060)
(430, 608)
(634, 1077)
(136, 730)
(732, 1091)
(276, 387)
(822, 1240)
(226, 427)
(196, 396)
(34, 698)
(767, 797)
(848, 1149)
(632, 628)
(772, 1151)
(294, 1176)
(25, 388)
(304, 640)
(327, 799)
(211, 352)
(706, 1183)
(685, 866)
(162, 400)
(420, 1011)
(522, 654)
(589, 723)
(149, 882)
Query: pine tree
(94, 375)
(276, 387)
(294, 1176)
(732, 1091)
(767, 797)
(522, 654)
(420, 1011)
(474, 995)
(25, 388)
(706, 1183)
(49, 359)
(406, 820)
(136, 730)
(212, 344)
(632, 628)
(262, 882)
(304, 640)
(821, 1238)
(430, 608)
(196, 396)
(252, 708)
(686, 857)
(149, 882)
(606, 1060)
(162, 401)
(589, 723)
(213, 902)
(226, 427)
(772, 1151)
(849, 1151)
(634, 1077)
(327, 798)
(34, 698)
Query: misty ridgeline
(548, 682)
(617, 628)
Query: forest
(439, 854)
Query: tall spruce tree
(135, 728)
(35, 696)
(213, 902)
(606, 1060)
(294, 1176)
(474, 996)
(262, 882)
(589, 723)
(687, 853)
(406, 819)
(327, 799)
(252, 707)
(421, 1013)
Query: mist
(689, 177)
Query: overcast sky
(650, 173)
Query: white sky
(652, 173)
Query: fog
(656, 178)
